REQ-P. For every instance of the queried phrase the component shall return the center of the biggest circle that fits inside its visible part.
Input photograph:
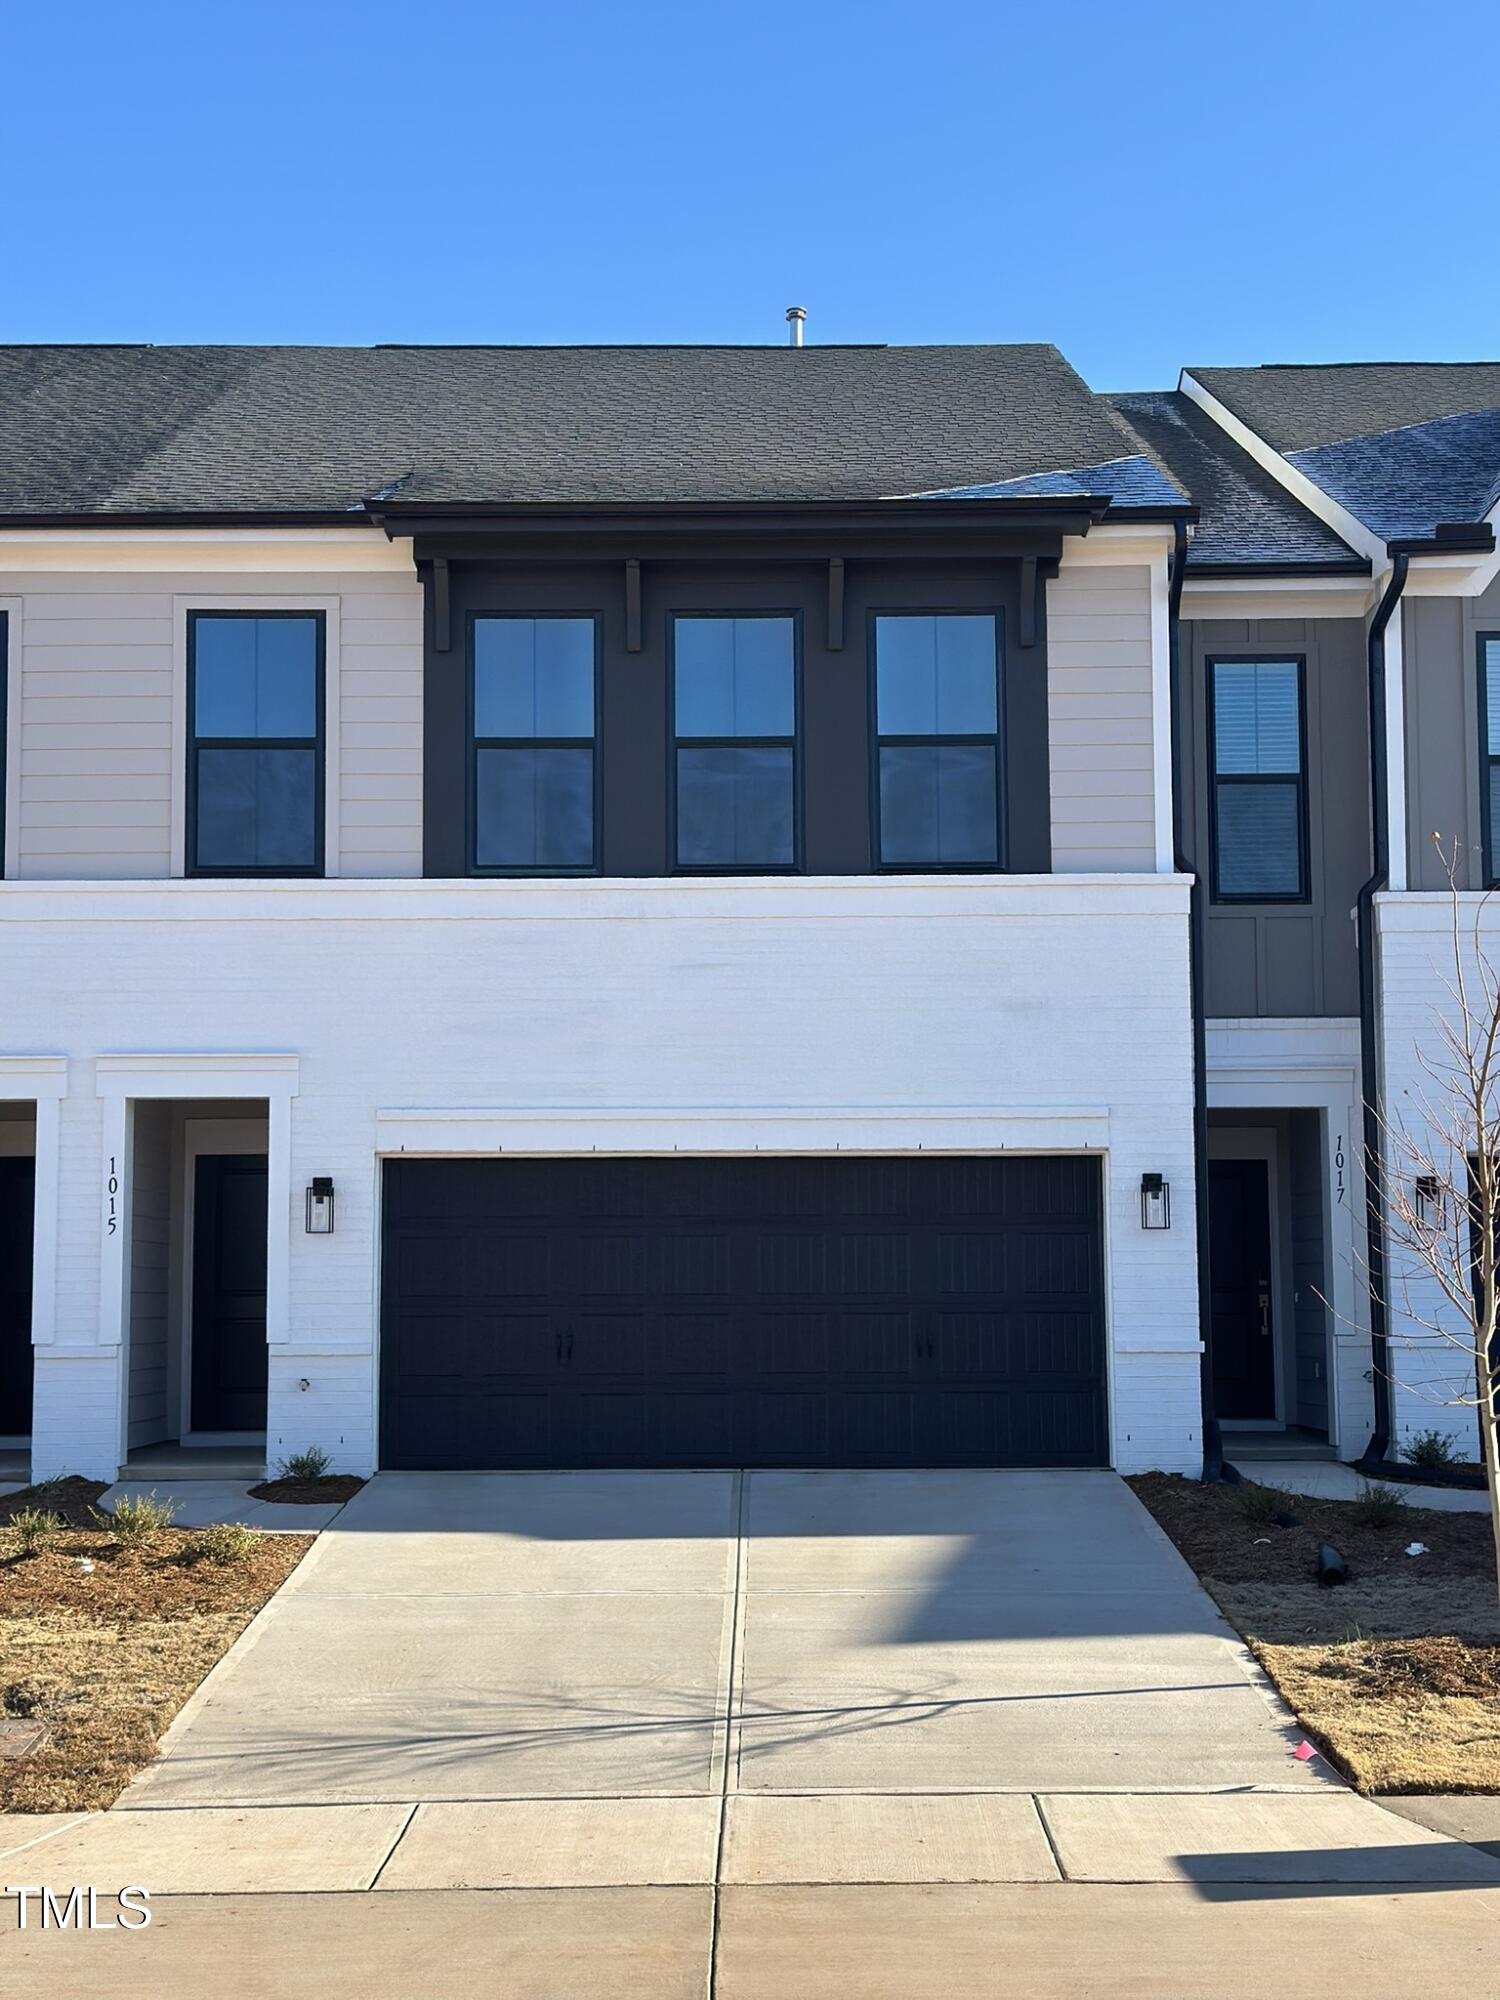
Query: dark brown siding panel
(1268, 959)
(1442, 733)
(633, 742)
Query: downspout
(1375, 1260)
(1213, 1449)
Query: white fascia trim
(1428, 912)
(33, 1076)
(1311, 495)
(361, 549)
(1277, 597)
(15, 611)
(1161, 716)
(1395, 752)
(1113, 544)
(569, 1129)
(812, 899)
(272, 1075)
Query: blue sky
(1146, 185)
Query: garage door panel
(787, 1427)
(499, 1265)
(691, 1428)
(690, 1343)
(743, 1311)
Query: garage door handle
(565, 1343)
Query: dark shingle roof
(1247, 516)
(110, 430)
(1402, 445)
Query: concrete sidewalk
(1058, 1941)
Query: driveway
(893, 1734)
(769, 1637)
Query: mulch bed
(1207, 1525)
(101, 1644)
(330, 1491)
(72, 1500)
(1395, 1676)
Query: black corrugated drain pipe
(1375, 1260)
(1213, 1450)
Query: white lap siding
(96, 737)
(1099, 702)
(1035, 1005)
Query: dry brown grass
(1396, 1675)
(1400, 1715)
(105, 1656)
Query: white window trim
(251, 600)
(15, 609)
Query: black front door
(743, 1312)
(17, 1198)
(1239, 1248)
(229, 1292)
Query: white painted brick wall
(835, 998)
(1416, 933)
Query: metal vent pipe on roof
(795, 315)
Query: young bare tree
(1440, 1192)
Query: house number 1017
(112, 1193)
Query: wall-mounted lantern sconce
(1429, 1197)
(1156, 1202)
(320, 1206)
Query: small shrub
(1378, 1506)
(1259, 1504)
(225, 1543)
(137, 1518)
(309, 1464)
(1429, 1449)
(33, 1528)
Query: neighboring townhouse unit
(630, 906)
(1402, 463)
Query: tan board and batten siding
(1099, 715)
(95, 738)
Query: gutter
(1378, 1449)
(1213, 1446)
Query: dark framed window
(255, 707)
(939, 720)
(1257, 732)
(1489, 752)
(533, 703)
(734, 742)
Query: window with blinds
(1258, 738)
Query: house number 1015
(112, 1195)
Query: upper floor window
(734, 709)
(938, 735)
(533, 703)
(255, 743)
(1489, 753)
(1258, 730)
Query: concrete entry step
(209, 1461)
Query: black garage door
(742, 1312)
